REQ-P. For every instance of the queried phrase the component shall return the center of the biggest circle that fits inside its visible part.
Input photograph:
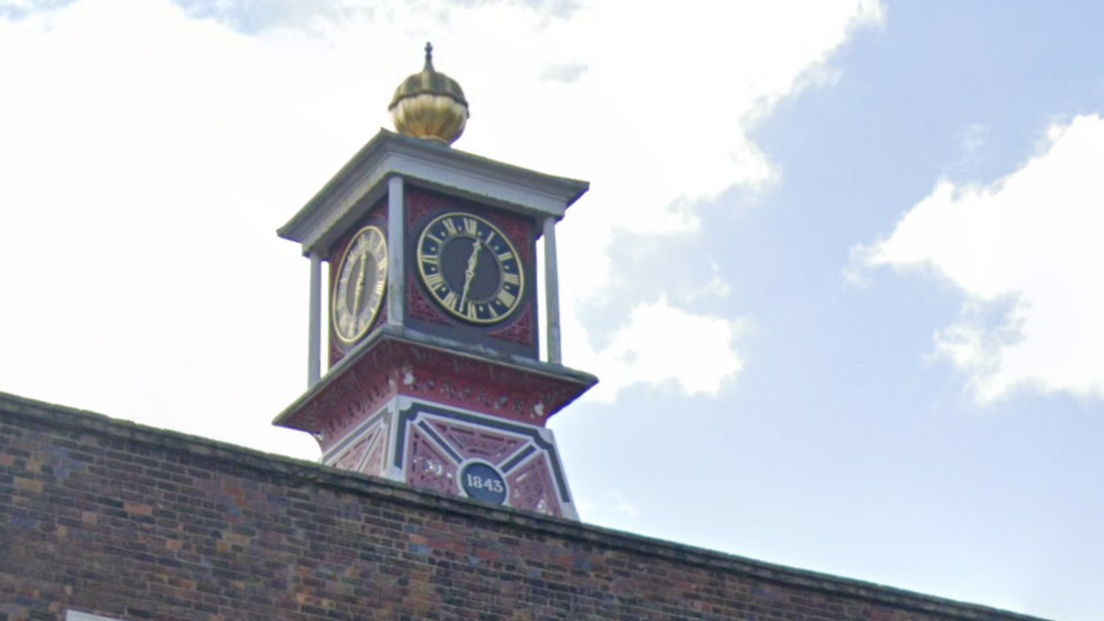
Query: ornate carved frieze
(521, 331)
(429, 467)
(479, 413)
(483, 386)
(345, 402)
(366, 452)
(480, 457)
(532, 487)
(420, 307)
(476, 442)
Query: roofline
(308, 473)
(374, 152)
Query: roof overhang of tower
(394, 360)
(362, 181)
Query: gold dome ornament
(430, 105)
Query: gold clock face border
(512, 310)
(384, 252)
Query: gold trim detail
(356, 286)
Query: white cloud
(148, 155)
(1028, 252)
(662, 343)
(715, 287)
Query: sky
(838, 271)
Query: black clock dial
(359, 287)
(470, 268)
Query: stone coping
(315, 474)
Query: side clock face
(358, 291)
(471, 268)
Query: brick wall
(129, 522)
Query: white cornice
(360, 183)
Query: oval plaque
(483, 482)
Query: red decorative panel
(377, 453)
(350, 459)
(531, 488)
(438, 443)
(427, 467)
(419, 306)
(370, 444)
(484, 387)
(353, 396)
(470, 442)
(521, 230)
(357, 398)
(521, 331)
(419, 206)
(393, 366)
(381, 318)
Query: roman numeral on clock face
(452, 301)
(434, 280)
(506, 298)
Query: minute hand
(359, 291)
(469, 273)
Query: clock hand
(469, 273)
(358, 294)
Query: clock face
(358, 290)
(470, 268)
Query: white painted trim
(314, 339)
(73, 615)
(472, 180)
(391, 471)
(326, 230)
(471, 184)
(358, 185)
(551, 293)
(396, 225)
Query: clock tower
(435, 376)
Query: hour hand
(358, 294)
(469, 274)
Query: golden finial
(429, 57)
(430, 105)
